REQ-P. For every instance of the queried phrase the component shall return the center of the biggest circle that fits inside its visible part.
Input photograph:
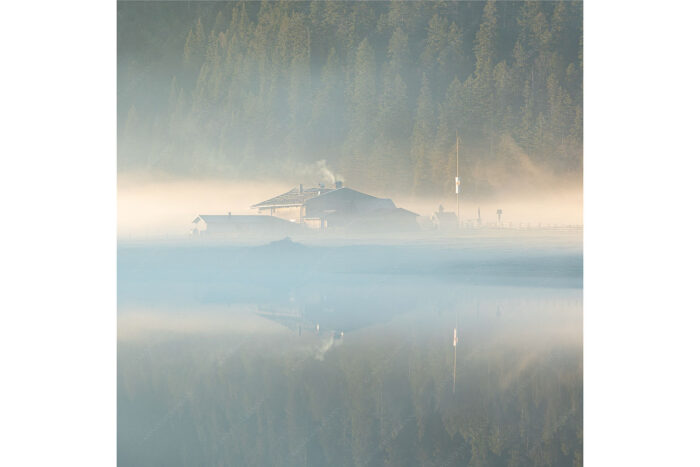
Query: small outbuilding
(445, 220)
(242, 226)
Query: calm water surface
(301, 354)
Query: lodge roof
(406, 212)
(348, 199)
(383, 212)
(294, 197)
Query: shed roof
(230, 220)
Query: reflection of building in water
(339, 208)
(294, 319)
(214, 225)
(289, 316)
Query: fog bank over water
(332, 351)
(152, 207)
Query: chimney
(338, 184)
(301, 188)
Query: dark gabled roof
(347, 200)
(229, 219)
(406, 211)
(293, 197)
(386, 213)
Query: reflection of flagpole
(454, 369)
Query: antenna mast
(457, 180)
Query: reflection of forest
(383, 397)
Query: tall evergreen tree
(421, 140)
(482, 91)
(363, 100)
(327, 118)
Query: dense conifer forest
(377, 90)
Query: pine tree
(195, 46)
(393, 123)
(482, 86)
(503, 98)
(298, 40)
(393, 113)
(421, 140)
(363, 100)
(328, 107)
(526, 131)
(435, 43)
(398, 52)
(451, 57)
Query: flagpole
(457, 179)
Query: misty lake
(312, 353)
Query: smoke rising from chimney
(326, 173)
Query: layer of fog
(152, 207)
(489, 320)
(499, 315)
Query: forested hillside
(378, 90)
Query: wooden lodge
(339, 208)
